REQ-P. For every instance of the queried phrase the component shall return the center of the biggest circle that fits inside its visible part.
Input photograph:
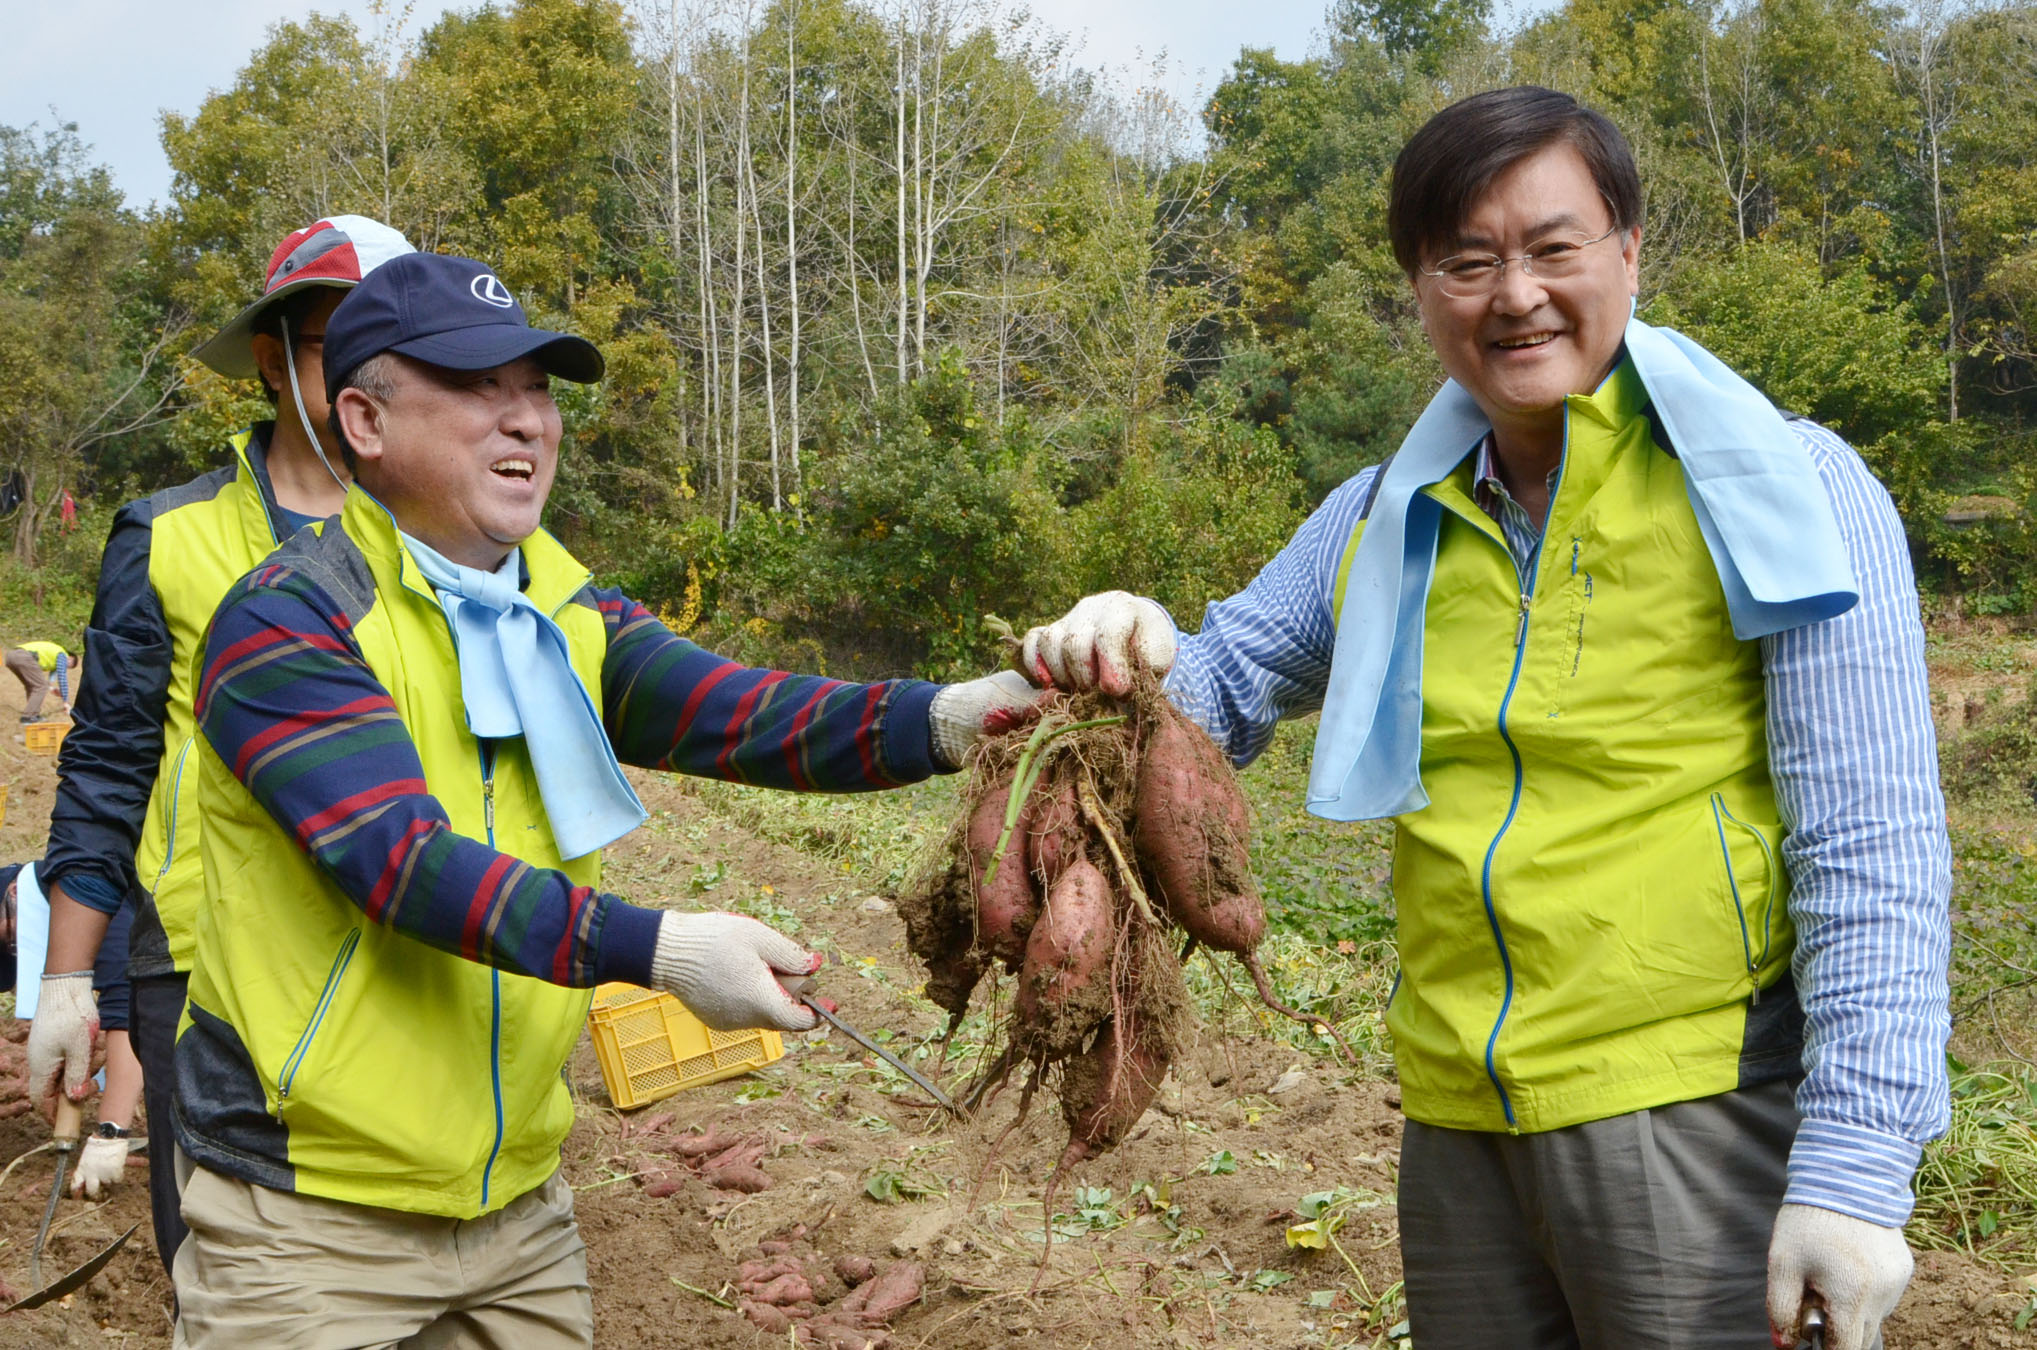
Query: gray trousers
(1646, 1229)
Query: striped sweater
(288, 702)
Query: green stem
(715, 1299)
(1030, 763)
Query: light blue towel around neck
(517, 679)
(1760, 505)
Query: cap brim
(231, 350)
(497, 344)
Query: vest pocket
(287, 1079)
(171, 816)
(1567, 649)
(1751, 879)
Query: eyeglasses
(1473, 276)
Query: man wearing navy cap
(414, 724)
(124, 831)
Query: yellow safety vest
(204, 536)
(1594, 895)
(336, 1057)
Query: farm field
(1251, 1207)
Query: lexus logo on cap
(489, 289)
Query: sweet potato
(881, 1299)
(766, 1318)
(785, 1291)
(702, 1145)
(1108, 1088)
(953, 976)
(1191, 833)
(1005, 905)
(754, 1275)
(1104, 1091)
(1053, 824)
(1064, 985)
(828, 1333)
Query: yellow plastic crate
(650, 1046)
(44, 738)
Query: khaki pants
(34, 682)
(294, 1272)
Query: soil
(1179, 1253)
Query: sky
(112, 66)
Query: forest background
(910, 319)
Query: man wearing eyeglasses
(1633, 662)
(125, 827)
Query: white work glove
(100, 1164)
(1856, 1268)
(60, 1039)
(963, 714)
(732, 972)
(1097, 644)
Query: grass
(1977, 1188)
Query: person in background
(39, 665)
(125, 829)
(103, 1159)
(1634, 663)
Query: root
(992, 1079)
(1250, 961)
(990, 1157)
(1111, 832)
(1074, 1153)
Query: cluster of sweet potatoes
(790, 1289)
(14, 1071)
(1100, 845)
(726, 1160)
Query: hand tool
(70, 1123)
(75, 1279)
(1814, 1328)
(64, 1134)
(925, 1085)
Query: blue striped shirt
(1855, 764)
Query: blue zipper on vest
(176, 793)
(325, 996)
(494, 980)
(1506, 962)
(1720, 817)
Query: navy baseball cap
(448, 311)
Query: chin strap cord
(303, 417)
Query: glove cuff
(680, 944)
(71, 991)
(948, 732)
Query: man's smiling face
(465, 458)
(1533, 341)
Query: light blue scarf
(1760, 505)
(517, 679)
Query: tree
(82, 352)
